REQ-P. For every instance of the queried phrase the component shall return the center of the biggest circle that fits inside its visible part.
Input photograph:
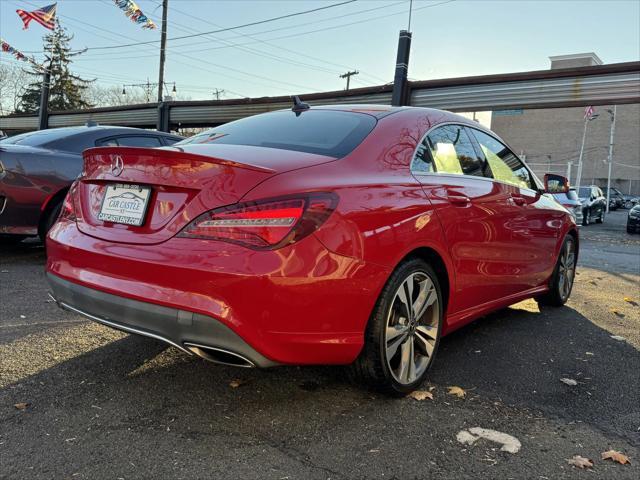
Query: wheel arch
(433, 258)
(48, 205)
(576, 238)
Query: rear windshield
(584, 192)
(39, 137)
(324, 132)
(572, 195)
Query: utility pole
(163, 44)
(217, 92)
(584, 137)
(613, 128)
(348, 76)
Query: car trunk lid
(182, 183)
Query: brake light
(266, 224)
(68, 210)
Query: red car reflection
(327, 235)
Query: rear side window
(504, 164)
(139, 141)
(448, 149)
(323, 132)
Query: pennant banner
(18, 54)
(131, 10)
(45, 16)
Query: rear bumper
(184, 330)
(301, 304)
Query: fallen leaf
(618, 337)
(236, 382)
(457, 391)
(22, 405)
(569, 381)
(580, 462)
(631, 301)
(615, 456)
(421, 395)
(617, 313)
(509, 443)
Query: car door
(532, 220)
(475, 214)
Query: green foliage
(67, 90)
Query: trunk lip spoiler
(165, 153)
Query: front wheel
(586, 217)
(403, 333)
(600, 219)
(563, 276)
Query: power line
(220, 30)
(225, 67)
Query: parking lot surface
(104, 404)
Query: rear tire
(563, 276)
(50, 218)
(403, 333)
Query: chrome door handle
(459, 200)
(518, 200)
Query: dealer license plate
(125, 204)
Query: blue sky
(456, 38)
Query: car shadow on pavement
(514, 356)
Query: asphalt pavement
(101, 404)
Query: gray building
(550, 139)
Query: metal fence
(596, 85)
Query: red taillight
(267, 224)
(68, 210)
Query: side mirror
(555, 183)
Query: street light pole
(613, 128)
(584, 137)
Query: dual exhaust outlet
(219, 355)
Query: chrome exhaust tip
(219, 355)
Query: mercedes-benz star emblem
(117, 165)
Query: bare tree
(13, 83)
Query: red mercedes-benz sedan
(326, 235)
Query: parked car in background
(571, 202)
(633, 220)
(37, 168)
(594, 204)
(631, 201)
(327, 235)
(616, 198)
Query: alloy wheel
(566, 269)
(412, 328)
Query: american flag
(588, 112)
(45, 16)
